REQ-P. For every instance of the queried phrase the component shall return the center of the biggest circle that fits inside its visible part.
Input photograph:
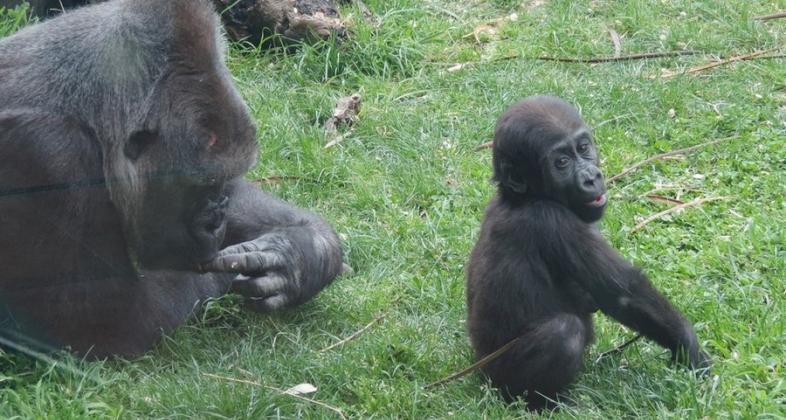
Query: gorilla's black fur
(123, 143)
(540, 267)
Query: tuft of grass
(406, 191)
(11, 19)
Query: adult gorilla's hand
(267, 267)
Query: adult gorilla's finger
(268, 304)
(265, 286)
(247, 263)
(241, 248)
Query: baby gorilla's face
(571, 174)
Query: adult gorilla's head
(542, 148)
(171, 126)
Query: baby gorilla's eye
(562, 162)
(583, 148)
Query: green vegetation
(406, 190)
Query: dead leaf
(532, 4)
(346, 112)
(615, 39)
(490, 28)
(457, 67)
(301, 389)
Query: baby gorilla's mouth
(599, 201)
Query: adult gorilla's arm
(577, 251)
(285, 254)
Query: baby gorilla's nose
(590, 178)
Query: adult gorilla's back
(122, 148)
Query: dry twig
(779, 15)
(642, 56)
(275, 179)
(486, 145)
(618, 349)
(714, 64)
(674, 209)
(638, 165)
(475, 366)
(356, 334)
(665, 200)
(280, 391)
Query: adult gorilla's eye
(562, 162)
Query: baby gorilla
(541, 268)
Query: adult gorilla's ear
(138, 142)
(506, 177)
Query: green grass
(406, 190)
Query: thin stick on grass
(618, 349)
(486, 145)
(359, 332)
(685, 150)
(734, 59)
(674, 209)
(280, 391)
(779, 15)
(641, 56)
(665, 200)
(275, 179)
(475, 366)
(354, 335)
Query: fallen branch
(642, 56)
(280, 391)
(674, 209)
(638, 165)
(618, 349)
(734, 59)
(591, 60)
(779, 15)
(475, 366)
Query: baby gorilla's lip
(599, 201)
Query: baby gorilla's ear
(506, 177)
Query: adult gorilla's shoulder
(124, 142)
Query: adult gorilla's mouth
(599, 201)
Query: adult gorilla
(123, 143)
